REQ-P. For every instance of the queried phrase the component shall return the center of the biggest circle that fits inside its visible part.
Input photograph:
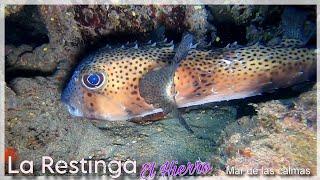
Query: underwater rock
(13, 53)
(102, 20)
(10, 100)
(9, 10)
(62, 28)
(242, 14)
(41, 59)
(260, 23)
(305, 108)
(197, 23)
(94, 21)
(34, 54)
(256, 34)
(25, 26)
(278, 136)
(247, 24)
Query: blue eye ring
(93, 80)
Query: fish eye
(93, 80)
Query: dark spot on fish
(134, 92)
(203, 80)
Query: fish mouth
(74, 111)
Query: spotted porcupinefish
(133, 82)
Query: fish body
(204, 76)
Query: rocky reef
(278, 136)
(44, 43)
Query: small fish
(119, 84)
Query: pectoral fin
(157, 87)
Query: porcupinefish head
(104, 86)
(84, 88)
(107, 84)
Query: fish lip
(74, 111)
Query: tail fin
(296, 31)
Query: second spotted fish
(134, 82)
